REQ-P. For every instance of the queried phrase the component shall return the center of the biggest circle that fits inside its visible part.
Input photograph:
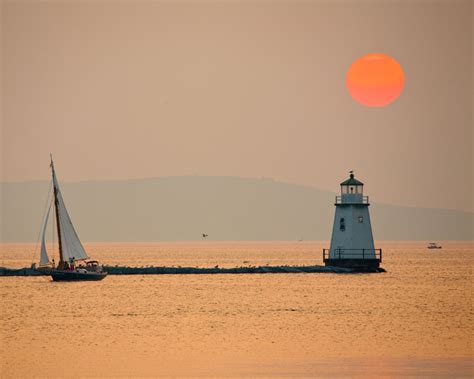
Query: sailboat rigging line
(56, 203)
(70, 246)
(46, 205)
(52, 239)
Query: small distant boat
(73, 260)
(434, 245)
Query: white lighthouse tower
(352, 243)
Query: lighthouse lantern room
(352, 243)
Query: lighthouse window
(342, 224)
(361, 219)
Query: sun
(375, 80)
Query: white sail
(44, 259)
(71, 245)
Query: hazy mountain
(227, 208)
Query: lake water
(416, 320)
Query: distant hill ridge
(227, 208)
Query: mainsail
(44, 259)
(70, 246)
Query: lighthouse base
(361, 260)
(358, 264)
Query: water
(416, 320)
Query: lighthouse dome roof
(351, 181)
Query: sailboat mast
(56, 207)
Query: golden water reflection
(416, 319)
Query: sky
(124, 90)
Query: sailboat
(74, 263)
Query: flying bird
(204, 235)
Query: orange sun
(375, 80)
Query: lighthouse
(352, 242)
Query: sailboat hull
(71, 276)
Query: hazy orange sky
(119, 90)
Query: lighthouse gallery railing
(365, 254)
(354, 200)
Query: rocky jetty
(151, 270)
(26, 271)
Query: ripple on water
(416, 319)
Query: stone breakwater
(151, 270)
